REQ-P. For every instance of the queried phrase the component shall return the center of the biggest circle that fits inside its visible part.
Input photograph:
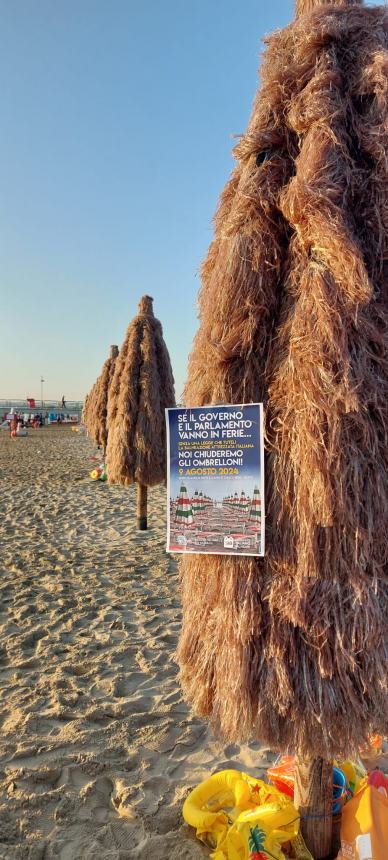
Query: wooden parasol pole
(141, 507)
(314, 801)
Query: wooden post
(141, 507)
(314, 801)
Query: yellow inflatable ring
(240, 816)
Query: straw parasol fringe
(89, 410)
(99, 424)
(303, 7)
(292, 649)
(142, 387)
(85, 409)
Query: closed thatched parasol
(98, 419)
(85, 409)
(184, 509)
(292, 648)
(89, 408)
(141, 389)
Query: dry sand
(97, 748)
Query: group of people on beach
(18, 421)
(17, 418)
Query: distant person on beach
(63, 402)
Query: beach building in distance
(72, 411)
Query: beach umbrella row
(240, 502)
(198, 503)
(232, 500)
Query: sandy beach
(98, 749)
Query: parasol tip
(145, 306)
(303, 7)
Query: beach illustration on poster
(215, 480)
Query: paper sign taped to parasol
(215, 480)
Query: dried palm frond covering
(98, 418)
(141, 388)
(292, 648)
(89, 410)
(85, 409)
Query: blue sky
(117, 125)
